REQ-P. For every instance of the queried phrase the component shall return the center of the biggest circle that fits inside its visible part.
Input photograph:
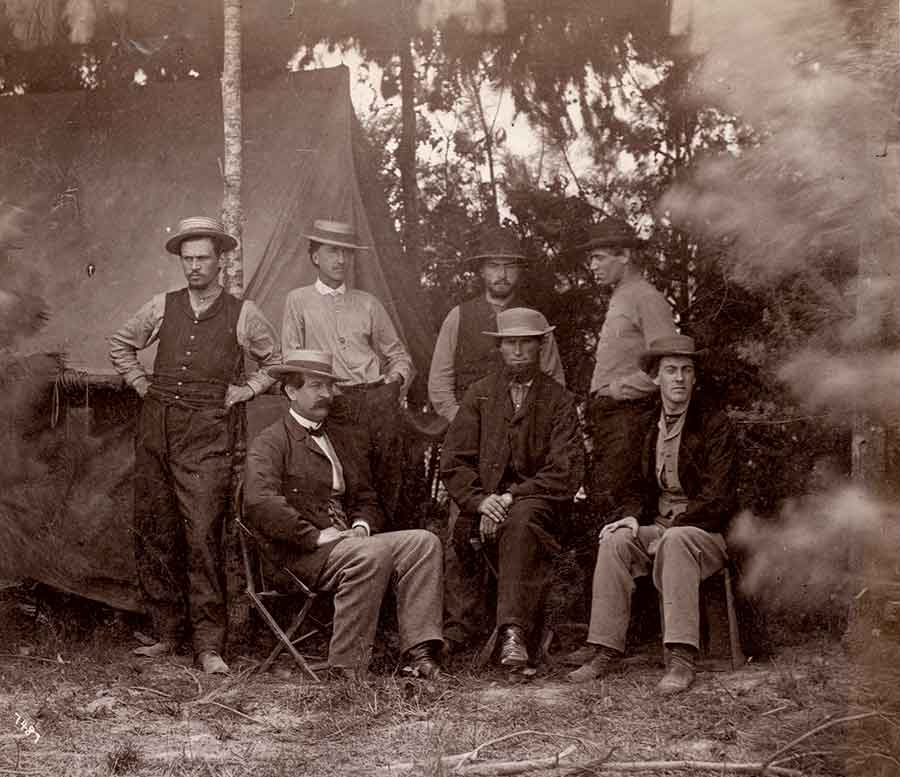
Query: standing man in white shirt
(370, 360)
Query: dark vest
(476, 353)
(197, 356)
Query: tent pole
(233, 152)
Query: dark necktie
(318, 431)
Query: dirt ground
(75, 702)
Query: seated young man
(672, 524)
(512, 460)
(308, 495)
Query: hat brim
(520, 258)
(281, 370)
(332, 241)
(520, 332)
(226, 241)
(599, 242)
(649, 357)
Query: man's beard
(521, 372)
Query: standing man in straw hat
(185, 435)
(621, 393)
(463, 353)
(309, 495)
(370, 359)
(672, 521)
(513, 460)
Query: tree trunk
(406, 152)
(233, 165)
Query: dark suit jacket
(541, 444)
(706, 469)
(286, 491)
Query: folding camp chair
(260, 589)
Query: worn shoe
(156, 650)
(212, 663)
(513, 650)
(680, 674)
(599, 666)
(422, 661)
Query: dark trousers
(373, 417)
(617, 432)
(182, 487)
(522, 555)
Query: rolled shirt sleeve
(442, 375)
(139, 332)
(258, 337)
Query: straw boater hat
(673, 345)
(334, 233)
(318, 363)
(497, 243)
(200, 226)
(612, 232)
(521, 322)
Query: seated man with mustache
(512, 460)
(308, 494)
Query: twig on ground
(243, 715)
(812, 732)
(782, 708)
(194, 677)
(519, 767)
(4, 770)
(150, 690)
(29, 658)
(720, 767)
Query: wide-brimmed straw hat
(334, 233)
(611, 232)
(673, 345)
(521, 322)
(318, 363)
(497, 243)
(200, 226)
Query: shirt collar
(327, 291)
(303, 420)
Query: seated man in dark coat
(672, 521)
(513, 460)
(309, 496)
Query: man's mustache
(322, 403)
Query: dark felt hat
(497, 243)
(673, 345)
(611, 232)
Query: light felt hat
(521, 322)
(334, 233)
(200, 226)
(673, 345)
(318, 363)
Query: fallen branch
(721, 767)
(812, 732)
(30, 658)
(519, 767)
(458, 761)
(243, 715)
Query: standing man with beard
(512, 460)
(463, 352)
(185, 436)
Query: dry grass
(104, 712)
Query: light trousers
(359, 571)
(679, 558)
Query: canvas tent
(108, 173)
